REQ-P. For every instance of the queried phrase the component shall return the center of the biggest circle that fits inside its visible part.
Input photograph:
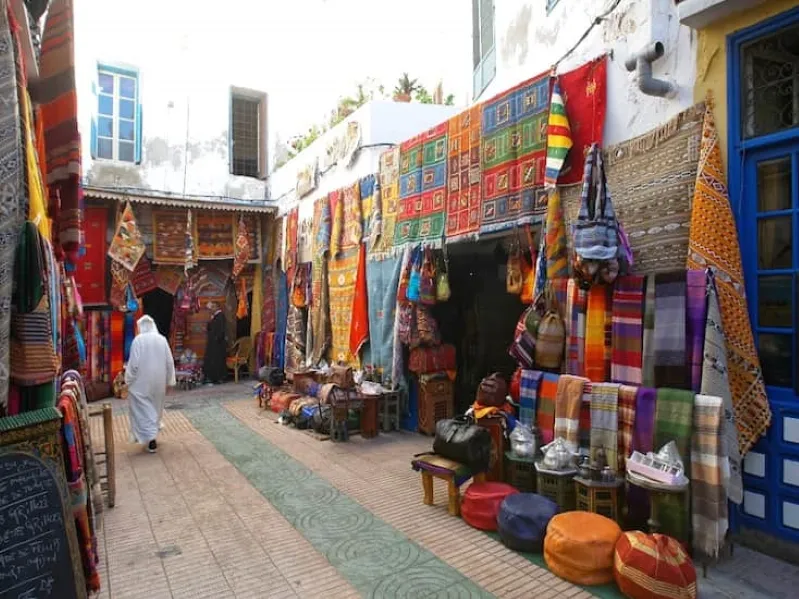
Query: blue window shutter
(96, 109)
(138, 144)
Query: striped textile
(568, 402)
(628, 330)
(648, 362)
(559, 137)
(584, 433)
(708, 496)
(528, 395)
(696, 317)
(643, 442)
(673, 422)
(556, 251)
(545, 415)
(597, 329)
(605, 421)
(577, 316)
(627, 399)
(56, 93)
(653, 567)
(117, 343)
(670, 343)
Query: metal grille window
(771, 83)
(246, 136)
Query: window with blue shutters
(117, 127)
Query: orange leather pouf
(579, 547)
(653, 567)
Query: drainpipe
(641, 64)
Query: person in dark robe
(214, 367)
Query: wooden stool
(599, 497)
(390, 411)
(455, 474)
(557, 485)
(107, 480)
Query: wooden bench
(455, 474)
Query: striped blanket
(528, 395)
(648, 362)
(568, 402)
(670, 342)
(545, 416)
(597, 335)
(605, 421)
(696, 317)
(627, 400)
(628, 330)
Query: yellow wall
(711, 67)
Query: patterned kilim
(215, 235)
(127, 245)
(319, 311)
(169, 237)
(463, 188)
(652, 178)
(514, 126)
(253, 224)
(341, 281)
(90, 269)
(389, 202)
(584, 93)
(423, 179)
(713, 243)
(352, 231)
(143, 278)
(291, 249)
(168, 279)
(368, 186)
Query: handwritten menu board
(35, 558)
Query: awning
(160, 199)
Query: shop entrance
(764, 186)
(158, 304)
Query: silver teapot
(558, 455)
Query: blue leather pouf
(522, 521)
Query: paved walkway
(236, 505)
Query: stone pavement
(236, 505)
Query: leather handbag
(460, 440)
(342, 376)
(493, 391)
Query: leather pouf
(653, 567)
(522, 521)
(481, 502)
(579, 547)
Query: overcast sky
(304, 53)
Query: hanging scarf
(528, 396)
(671, 368)
(577, 329)
(626, 425)
(715, 382)
(559, 136)
(648, 346)
(597, 335)
(628, 329)
(547, 398)
(643, 442)
(696, 319)
(605, 421)
(557, 254)
(397, 366)
(359, 325)
(568, 402)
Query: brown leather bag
(342, 376)
(493, 391)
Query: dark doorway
(158, 304)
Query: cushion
(281, 400)
(481, 503)
(653, 567)
(579, 547)
(522, 521)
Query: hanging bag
(513, 277)
(551, 335)
(427, 279)
(443, 291)
(596, 232)
(414, 283)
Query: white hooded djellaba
(150, 370)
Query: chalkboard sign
(35, 559)
(39, 555)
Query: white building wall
(383, 123)
(528, 42)
(186, 57)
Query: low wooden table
(454, 473)
(656, 489)
(599, 497)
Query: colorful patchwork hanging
(559, 138)
(242, 252)
(127, 246)
(463, 189)
(382, 234)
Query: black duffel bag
(274, 377)
(461, 440)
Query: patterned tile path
(374, 557)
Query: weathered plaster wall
(529, 41)
(711, 68)
(186, 63)
(382, 122)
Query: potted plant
(405, 88)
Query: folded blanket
(605, 421)
(567, 408)
(545, 416)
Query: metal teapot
(557, 455)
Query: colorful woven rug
(382, 283)
(713, 244)
(341, 277)
(169, 237)
(423, 180)
(292, 234)
(90, 269)
(168, 279)
(514, 126)
(319, 310)
(127, 245)
(253, 224)
(352, 231)
(628, 330)
(368, 187)
(215, 235)
(117, 343)
(584, 93)
(463, 189)
(143, 278)
(389, 203)
(359, 327)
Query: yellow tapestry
(341, 277)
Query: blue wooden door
(763, 160)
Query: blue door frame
(764, 474)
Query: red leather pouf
(481, 503)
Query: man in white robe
(150, 370)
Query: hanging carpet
(389, 203)
(90, 269)
(463, 190)
(215, 235)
